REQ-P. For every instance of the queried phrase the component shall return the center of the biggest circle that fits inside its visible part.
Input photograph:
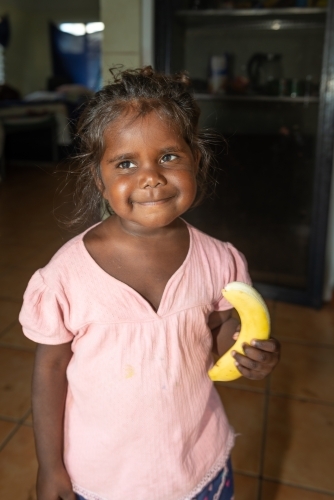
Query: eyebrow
(123, 156)
(132, 155)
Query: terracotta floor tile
(15, 381)
(5, 429)
(292, 322)
(18, 467)
(305, 371)
(277, 491)
(245, 412)
(245, 487)
(298, 433)
(299, 443)
(245, 383)
(9, 311)
(14, 337)
(28, 420)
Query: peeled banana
(255, 323)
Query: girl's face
(148, 171)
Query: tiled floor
(285, 450)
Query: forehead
(150, 127)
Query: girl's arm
(49, 390)
(223, 327)
(259, 358)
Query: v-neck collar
(160, 311)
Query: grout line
(302, 399)
(11, 299)
(10, 419)
(8, 328)
(27, 424)
(19, 423)
(245, 473)
(254, 390)
(16, 420)
(299, 487)
(3, 345)
(306, 343)
(264, 435)
(273, 317)
(9, 437)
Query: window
(79, 29)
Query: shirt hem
(43, 339)
(209, 476)
(88, 495)
(212, 473)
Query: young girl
(127, 313)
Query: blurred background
(262, 73)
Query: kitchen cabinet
(264, 80)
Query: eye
(168, 157)
(126, 164)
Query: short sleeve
(236, 270)
(42, 313)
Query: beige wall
(27, 58)
(122, 35)
(28, 62)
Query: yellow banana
(255, 323)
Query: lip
(154, 202)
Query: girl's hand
(54, 484)
(260, 358)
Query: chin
(156, 221)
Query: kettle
(264, 72)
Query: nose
(152, 176)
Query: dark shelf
(255, 19)
(274, 189)
(251, 12)
(263, 98)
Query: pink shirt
(143, 420)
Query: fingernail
(233, 353)
(236, 363)
(253, 342)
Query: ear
(98, 179)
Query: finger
(256, 354)
(248, 363)
(249, 373)
(270, 345)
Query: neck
(132, 229)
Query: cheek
(188, 185)
(120, 189)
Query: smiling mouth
(154, 202)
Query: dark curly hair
(145, 90)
